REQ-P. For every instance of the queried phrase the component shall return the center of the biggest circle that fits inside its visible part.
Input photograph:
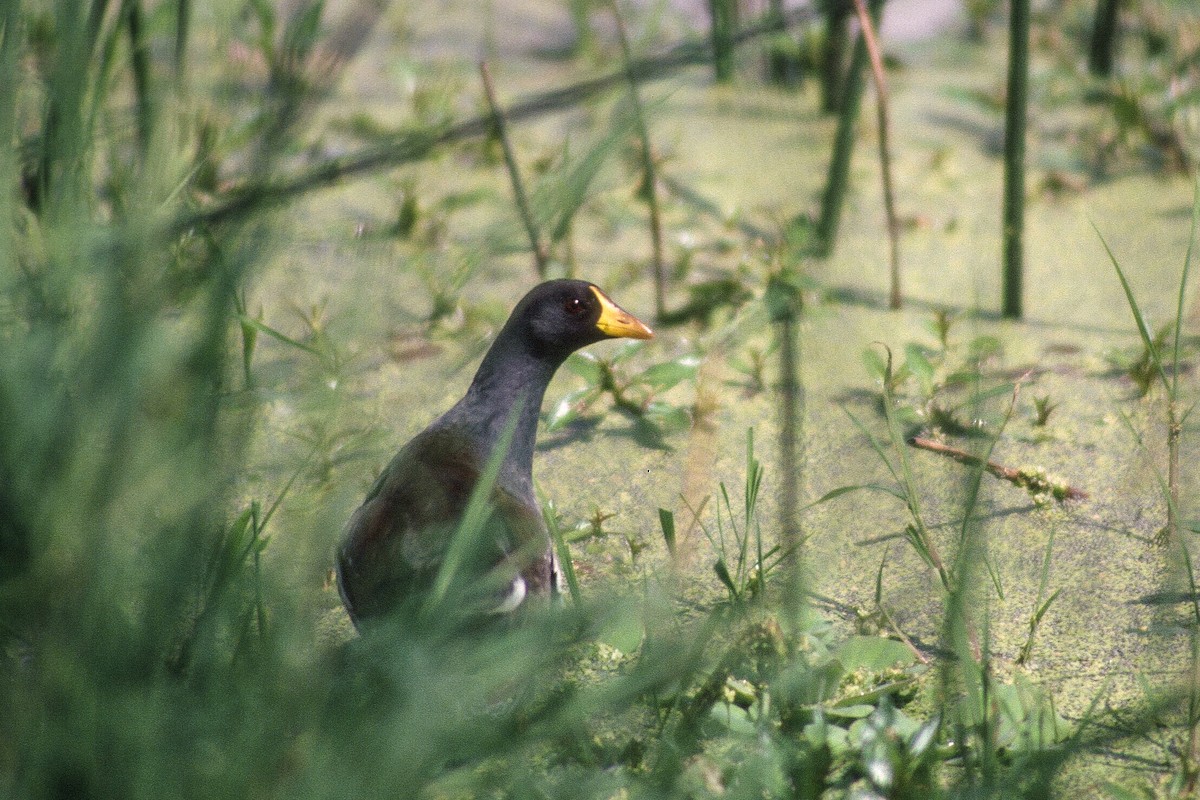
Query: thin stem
(1174, 434)
(836, 39)
(843, 145)
(1104, 38)
(649, 170)
(723, 18)
(540, 257)
(1013, 476)
(887, 617)
(885, 158)
(791, 425)
(183, 18)
(785, 305)
(139, 63)
(1014, 158)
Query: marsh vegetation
(887, 509)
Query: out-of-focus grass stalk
(918, 532)
(885, 157)
(784, 304)
(1103, 44)
(1042, 606)
(541, 258)
(968, 676)
(838, 177)
(139, 64)
(649, 168)
(183, 22)
(836, 14)
(723, 18)
(1016, 115)
(1176, 415)
(1176, 418)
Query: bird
(396, 542)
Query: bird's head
(558, 317)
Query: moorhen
(395, 543)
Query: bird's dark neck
(508, 382)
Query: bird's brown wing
(396, 542)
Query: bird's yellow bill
(617, 322)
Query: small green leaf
(667, 520)
(585, 365)
(734, 718)
(671, 373)
(668, 418)
(625, 351)
(724, 576)
(837, 739)
(623, 631)
(1044, 607)
(984, 347)
(857, 711)
(916, 359)
(925, 736)
(783, 297)
(240, 536)
(873, 653)
(875, 363)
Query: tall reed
(1016, 114)
(838, 176)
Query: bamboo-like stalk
(832, 74)
(838, 176)
(1014, 160)
(541, 258)
(778, 65)
(139, 63)
(723, 20)
(784, 305)
(885, 156)
(649, 169)
(1104, 38)
(1174, 435)
(183, 20)
(791, 429)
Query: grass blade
(1183, 280)
(666, 521)
(1143, 328)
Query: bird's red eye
(574, 306)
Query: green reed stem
(785, 304)
(183, 20)
(837, 38)
(838, 176)
(139, 63)
(1014, 160)
(723, 19)
(541, 258)
(1103, 45)
(885, 156)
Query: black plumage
(394, 544)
